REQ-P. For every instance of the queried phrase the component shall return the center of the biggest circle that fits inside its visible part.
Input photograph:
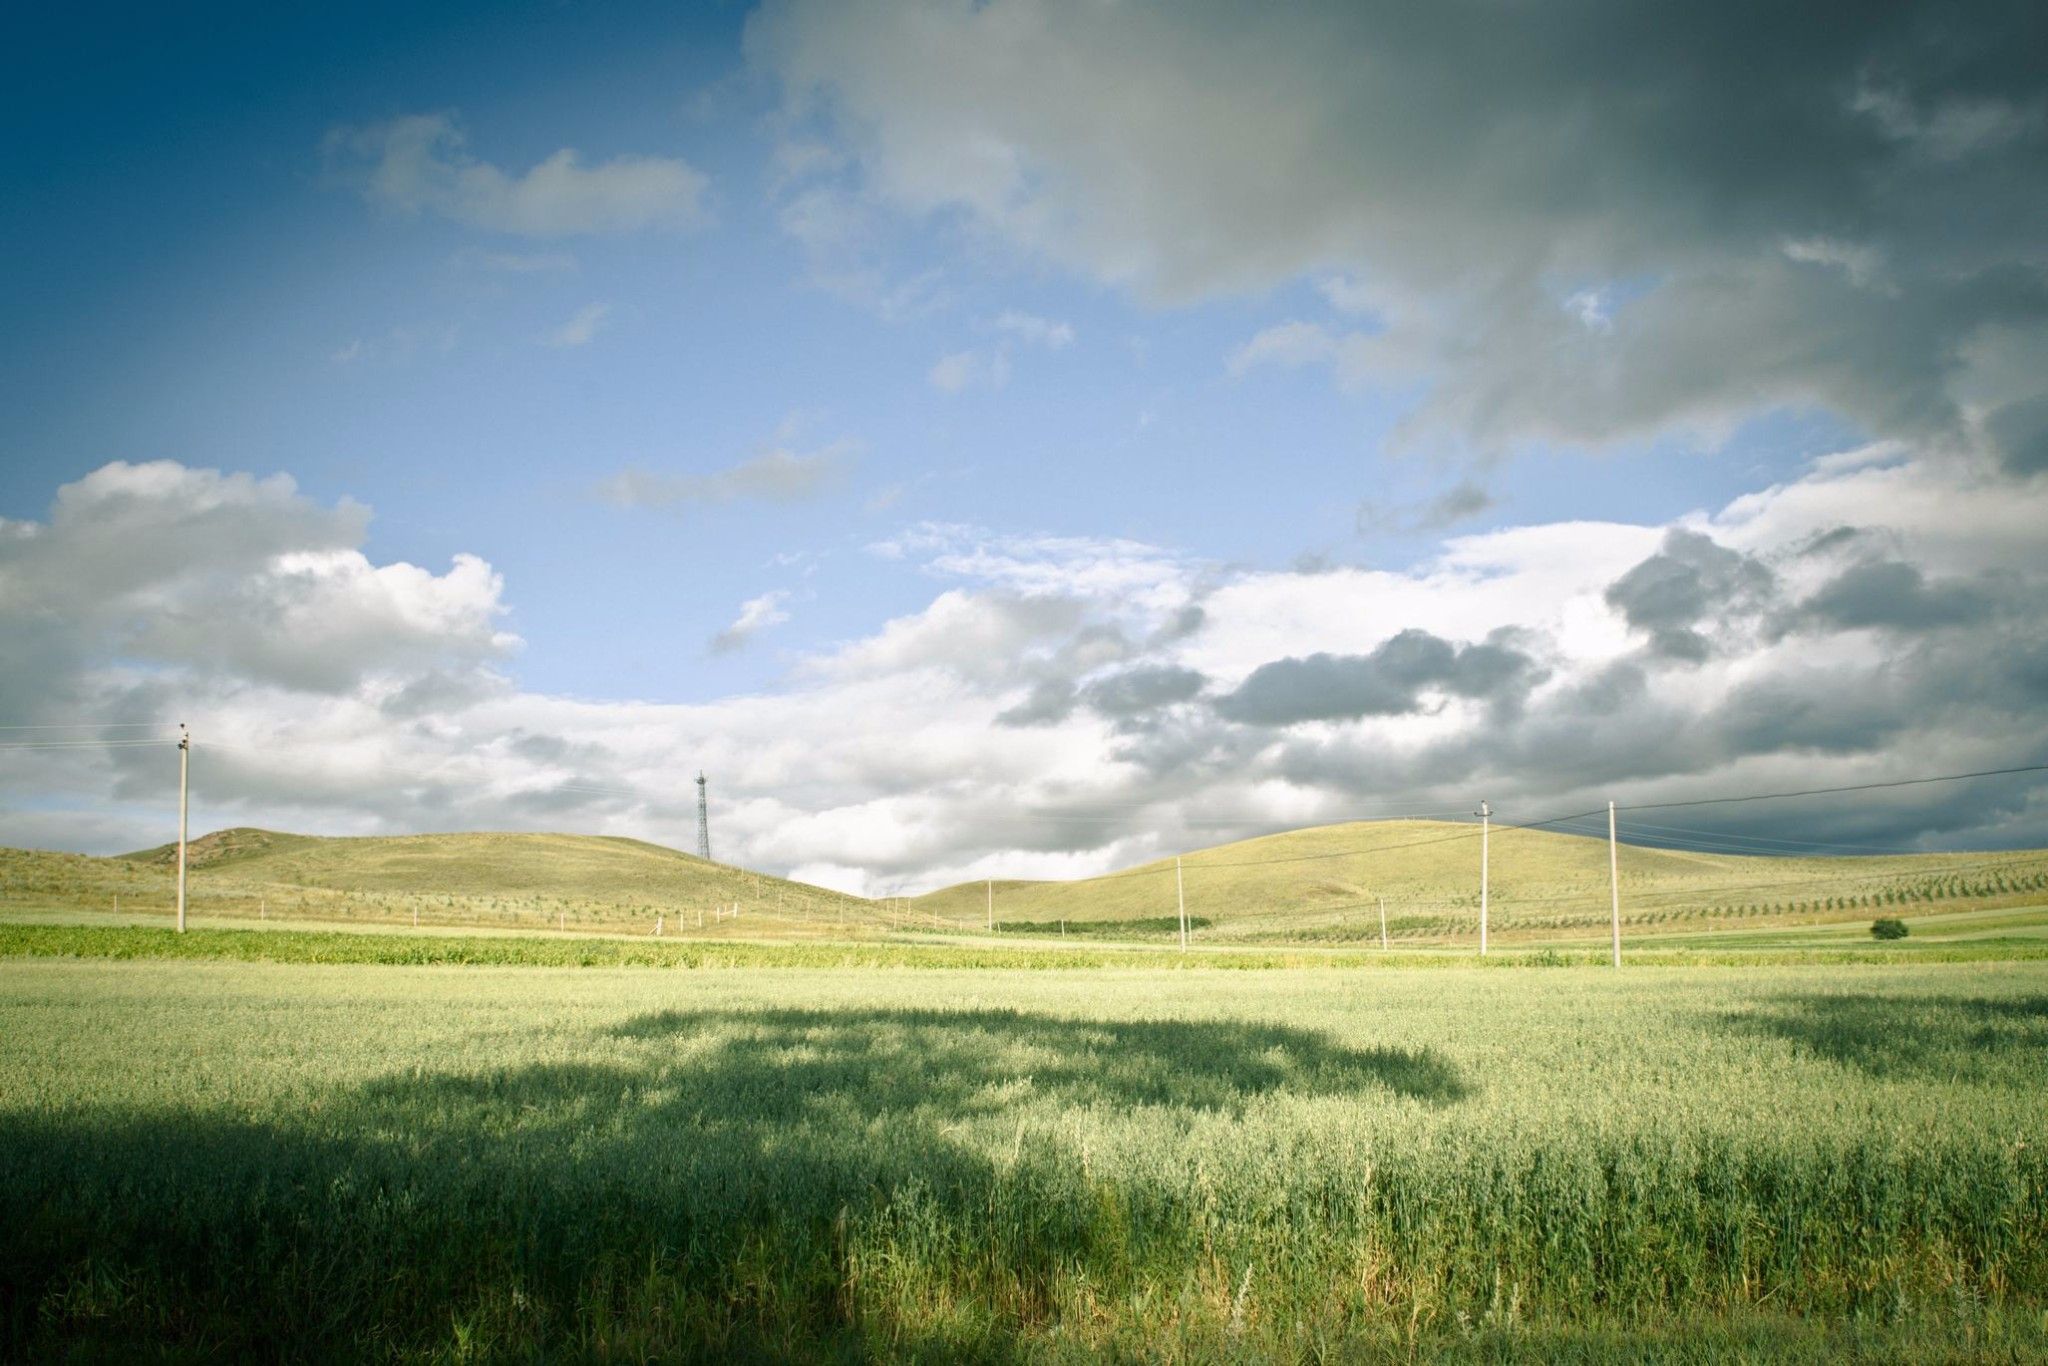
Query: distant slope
(487, 878)
(1325, 883)
(234, 845)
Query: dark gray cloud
(2019, 430)
(1894, 595)
(1126, 696)
(1390, 681)
(1617, 734)
(1146, 688)
(1049, 702)
(1180, 625)
(1460, 502)
(1690, 583)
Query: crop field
(203, 1155)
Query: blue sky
(1241, 296)
(190, 251)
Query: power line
(96, 725)
(1825, 791)
(1766, 839)
(83, 744)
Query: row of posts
(1485, 814)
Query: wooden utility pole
(1614, 880)
(1383, 924)
(184, 766)
(991, 905)
(1485, 828)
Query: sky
(1022, 439)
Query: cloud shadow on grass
(1982, 1040)
(712, 1158)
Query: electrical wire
(1827, 791)
(85, 744)
(1765, 839)
(96, 725)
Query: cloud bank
(1062, 705)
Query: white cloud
(1285, 344)
(421, 163)
(582, 327)
(756, 615)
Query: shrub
(1888, 927)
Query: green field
(209, 1156)
(451, 1098)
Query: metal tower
(703, 821)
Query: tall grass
(379, 1163)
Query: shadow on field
(1977, 1039)
(966, 1063)
(704, 1184)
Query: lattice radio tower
(703, 821)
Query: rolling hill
(1324, 884)
(493, 879)
(1320, 885)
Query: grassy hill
(493, 879)
(1324, 885)
(1316, 886)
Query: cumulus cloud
(421, 163)
(775, 475)
(1142, 690)
(1060, 705)
(1594, 226)
(1894, 595)
(1393, 680)
(1670, 595)
(229, 576)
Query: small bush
(1888, 927)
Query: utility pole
(1383, 924)
(1180, 894)
(991, 905)
(1614, 880)
(184, 767)
(703, 820)
(1485, 828)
